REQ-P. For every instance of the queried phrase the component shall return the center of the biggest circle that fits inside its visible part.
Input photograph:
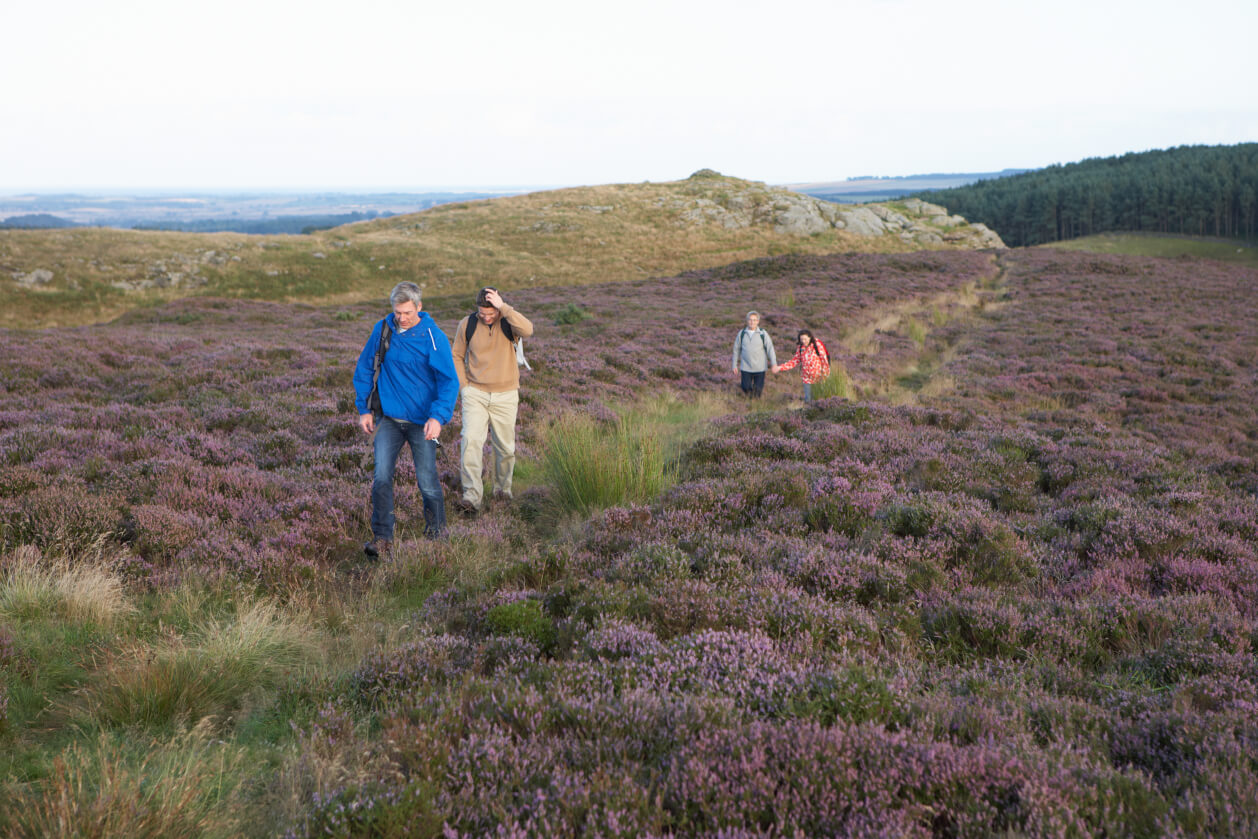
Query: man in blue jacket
(412, 397)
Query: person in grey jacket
(753, 355)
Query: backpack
(373, 398)
(824, 349)
(763, 340)
(472, 320)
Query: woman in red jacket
(812, 357)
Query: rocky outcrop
(710, 199)
(35, 279)
(180, 271)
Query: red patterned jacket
(816, 365)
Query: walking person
(753, 355)
(813, 359)
(406, 386)
(485, 344)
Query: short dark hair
(481, 299)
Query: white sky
(403, 94)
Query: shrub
(375, 810)
(909, 520)
(523, 619)
(837, 514)
(571, 313)
(998, 559)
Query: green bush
(998, 560)
(523, 619)
(853, 695)
(571, 313)
(838, 515)
(909, 520)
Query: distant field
(1146, 244)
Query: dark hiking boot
(466, 508)
(378, 548)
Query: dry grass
(182, 787)
(915, 331)
(208, 672)
(83, 592)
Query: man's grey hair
(403, 292)
(752, 312)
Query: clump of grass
(593, 466)
(180, 788)
(211, 674)
(79, 592)
(915, 332)
(838, 383)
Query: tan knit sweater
(488, 363)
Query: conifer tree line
(1190, 190)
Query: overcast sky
(412, 94)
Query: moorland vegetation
(1006, 587)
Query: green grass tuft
(593, 466)
(838, 383)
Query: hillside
(1008, 589)
(1189, 190)
(1160, 245)
(562, 237)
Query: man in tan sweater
(490, 387)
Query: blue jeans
(807, 392)
(390, 435)
(752, 383)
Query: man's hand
(493, 298)
(735, 368)
(367, 423)
(432, 430)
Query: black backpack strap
(373, 399)
(472, 320)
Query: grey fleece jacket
(754, 352)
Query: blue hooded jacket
(417, 377)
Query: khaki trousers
(493, 413)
